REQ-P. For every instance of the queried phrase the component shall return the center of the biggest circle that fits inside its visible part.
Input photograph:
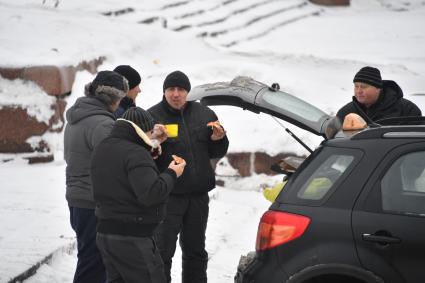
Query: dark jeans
(90, 267)
(131, 259)
(188, 216)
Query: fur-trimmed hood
(109, 87)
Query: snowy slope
(312, 51)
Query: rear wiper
(293, 135)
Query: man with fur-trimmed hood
(90, 120)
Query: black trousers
(187, 215)
(131, 259)
(90, 268)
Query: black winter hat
(370, 76)
(108, 87)
(130, 74)
(140, 117)
(176, 79)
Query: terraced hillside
(223, 23)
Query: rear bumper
(253, 269)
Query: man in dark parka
(130, 195)
(188, 204)
(375, 99)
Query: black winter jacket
(129, 191)
(193, 143)
(390, 104)
(125, 104)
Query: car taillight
(277, 228)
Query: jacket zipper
(189, 141)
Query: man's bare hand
(177, 167)
(159, 133)
(218, 131)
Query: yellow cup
(172, 130)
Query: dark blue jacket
(125, 103)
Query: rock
(54, 80)
(241, 161)
(40, 159)
(248, 163)
(17, 126)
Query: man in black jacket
(375, 99)
(130, 195)
(187, 207)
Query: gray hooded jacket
(89, 122)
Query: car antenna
(292, 134)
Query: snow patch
(26, 95)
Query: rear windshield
(290, 103)
(320, 177)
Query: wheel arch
(334, 269)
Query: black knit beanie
(140, 117)
(109, 87)
(109, 78)
(176, 79)
(370, 76)
(130, 74)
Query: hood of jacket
(85, 107)
(390, 94)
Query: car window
(325, 176)
(403, 185)
(293, 104)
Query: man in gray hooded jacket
(90, 120)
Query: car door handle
(380, 239)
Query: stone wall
(248, 163)
(16, 126)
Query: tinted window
(294, 105)
(403, 186)
(325, 176)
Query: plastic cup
(172, 130)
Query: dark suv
(354, 210)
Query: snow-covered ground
(312, 51)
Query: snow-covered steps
(225, 23)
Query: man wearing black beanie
(130, 195)
(187, 208)
(376, 99)
(134, 80)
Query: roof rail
(406, 120)
(397, 131)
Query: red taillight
(277, 228)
